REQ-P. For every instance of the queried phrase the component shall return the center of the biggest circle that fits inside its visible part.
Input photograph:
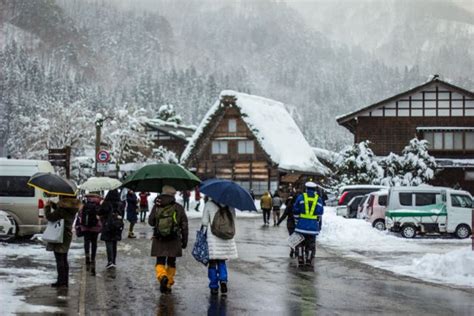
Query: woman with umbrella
(66, 210)
(218, 219)
(170, 236)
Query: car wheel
(379, 224)
(408, 231)
(462, 231)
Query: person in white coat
(220, 249)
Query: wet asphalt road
(263, 281)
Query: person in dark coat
(132, 213)
(288, 214)
(90, 229)
(112, 225)
(167, 248)
(66, 209)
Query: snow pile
(455, 267)
(14, 278)
(432, 259)
(274, 129)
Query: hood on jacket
(166, 199)
(69, 203)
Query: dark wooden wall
(392, 134)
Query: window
(470, 140)
(429, 136)
(422, 199)
(232, 125)
(383, 200)
(449, 140)
(16, 186)
(458, 141)
(405, 199)
(438, 141)
(246, 147)
(459, 200)
(219, 147)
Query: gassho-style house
(252, 141)
(437, 111)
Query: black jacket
(106, 211)
(288, 213)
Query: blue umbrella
(228, 193)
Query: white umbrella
(95, 184)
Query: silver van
(24, 203)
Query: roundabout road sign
(103, 156)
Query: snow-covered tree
(414, 167)
(161, 154)
(126, 135)
(82, 168)
(167, 113)
(357, 165)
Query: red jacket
(197, 194)
(144, 198)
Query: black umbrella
(52, 184)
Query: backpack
(166, 225)
(89, 215)
(223, 225)
(115, 222)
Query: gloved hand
(184, 244)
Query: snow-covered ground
(40, 269)
(435, 259)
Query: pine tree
(357, 165)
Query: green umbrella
(152, 178)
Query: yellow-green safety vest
(309, 213)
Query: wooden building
(172, 136)
(437, 111)
(253, 141)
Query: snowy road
(263, 281)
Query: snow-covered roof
(173, 128)
(274, 129)
(328, 155)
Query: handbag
(201, 250)
(295, 239)
(54, 232)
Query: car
(22, 202)
(425, 210)
(376, 207)
(353, 205)
(7, 226)
(346, 193)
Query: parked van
(347, 192)
(427, 209)
(22, 202)
(376, 207)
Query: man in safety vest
(308, 210)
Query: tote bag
(200, 249)
(54, 232)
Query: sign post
(102, 161)
(61, 157)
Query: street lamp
(99, 122)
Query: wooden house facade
(231, 144)
(171, 136)
(437, 111)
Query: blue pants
(217, 272)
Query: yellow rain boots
(160, 272)
(171, 272)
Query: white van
(23, 202)
(427, 209)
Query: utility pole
(99, 122)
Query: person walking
(308, 210)
(186, 194)
(143, 205)
(288, 214)
(132, 213)
(276, 204)
(197, 197)
(65, 209)
(266, 206)
(90, 226)
(112, 225)
(220, 248)
(170, 236)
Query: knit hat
(168, 190)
